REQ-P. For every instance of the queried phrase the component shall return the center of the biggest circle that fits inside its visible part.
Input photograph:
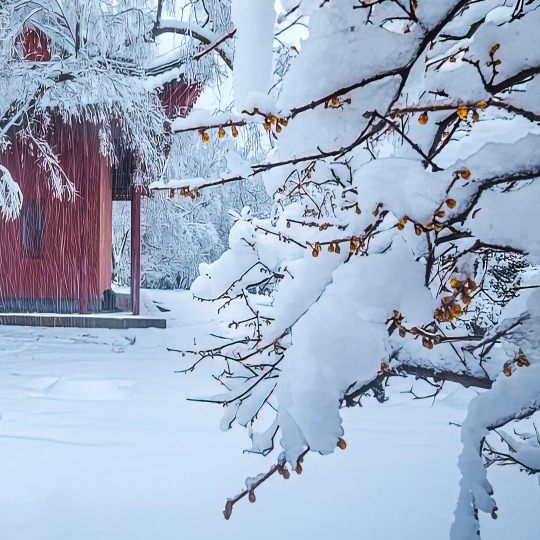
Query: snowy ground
(97, 441)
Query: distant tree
(180, 233)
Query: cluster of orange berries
(185, 192)
(333, 247)
(397, 322)
(492, 52)
(435, 224)
(321, 226)
(221, 133)
(450, 308)
(404, 220)
(520, 361)
(283, 471)
(356, 244)
(462, 111)
(335, 102)
(277, 123)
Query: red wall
(58, 274)
(178, 97)
(35, 45)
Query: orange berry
(462, 112)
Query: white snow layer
(254, 23)
(97, 440)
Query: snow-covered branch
(200, 34)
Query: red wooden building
(57, 255)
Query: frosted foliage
(175, 238)
(403, 237)
(179, 233)
(196, 26)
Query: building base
(116, 322)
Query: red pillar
(135, 249)
(84, 205)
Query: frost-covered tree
(403, 239)
(91, 52)
(101, 61)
